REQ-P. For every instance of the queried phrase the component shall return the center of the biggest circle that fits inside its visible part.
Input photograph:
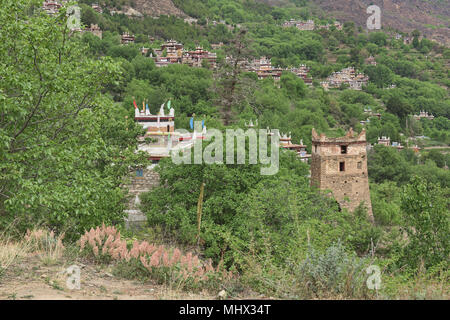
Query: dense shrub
(163, 264)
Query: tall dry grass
(11, 251)
(46, 244)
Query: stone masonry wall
(137, 186)
(350, 186)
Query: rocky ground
(30, 279)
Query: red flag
(135, 105)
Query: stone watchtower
(340, 165)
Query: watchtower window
(139, 173)
(168, 128)
(343, 149)
(359, 164)
(341, 166)
(315, 148)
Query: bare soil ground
(30, 279)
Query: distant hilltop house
(371, 61)
(223, 22)
(368, 110)
(216, 46)
(173, 52)
(302, 72)
(409, 40)
(364, 122)
(300, 149)
(190, 20)
(95, 30)
(263, 68)
(169, 53)
(144, 50)
(347, 76)
(195, 58)
(97, 7)
(286, 143)
(310, 25)
(386, 141)
(336, 24)
(423, 115)
(52, 6)
(127, 38)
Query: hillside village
(222, 150)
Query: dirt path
(32, 280)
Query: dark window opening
(315, 149)
(341, 166)
(168, 128)
(343, 149)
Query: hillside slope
(158, 7)
(152, 8)
(431, 17)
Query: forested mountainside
(431, 18)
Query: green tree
(425, 207)
(399, 107)
(385, 163)
(437, 156)
(293, 85)
(61, 148)
(379, 75)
